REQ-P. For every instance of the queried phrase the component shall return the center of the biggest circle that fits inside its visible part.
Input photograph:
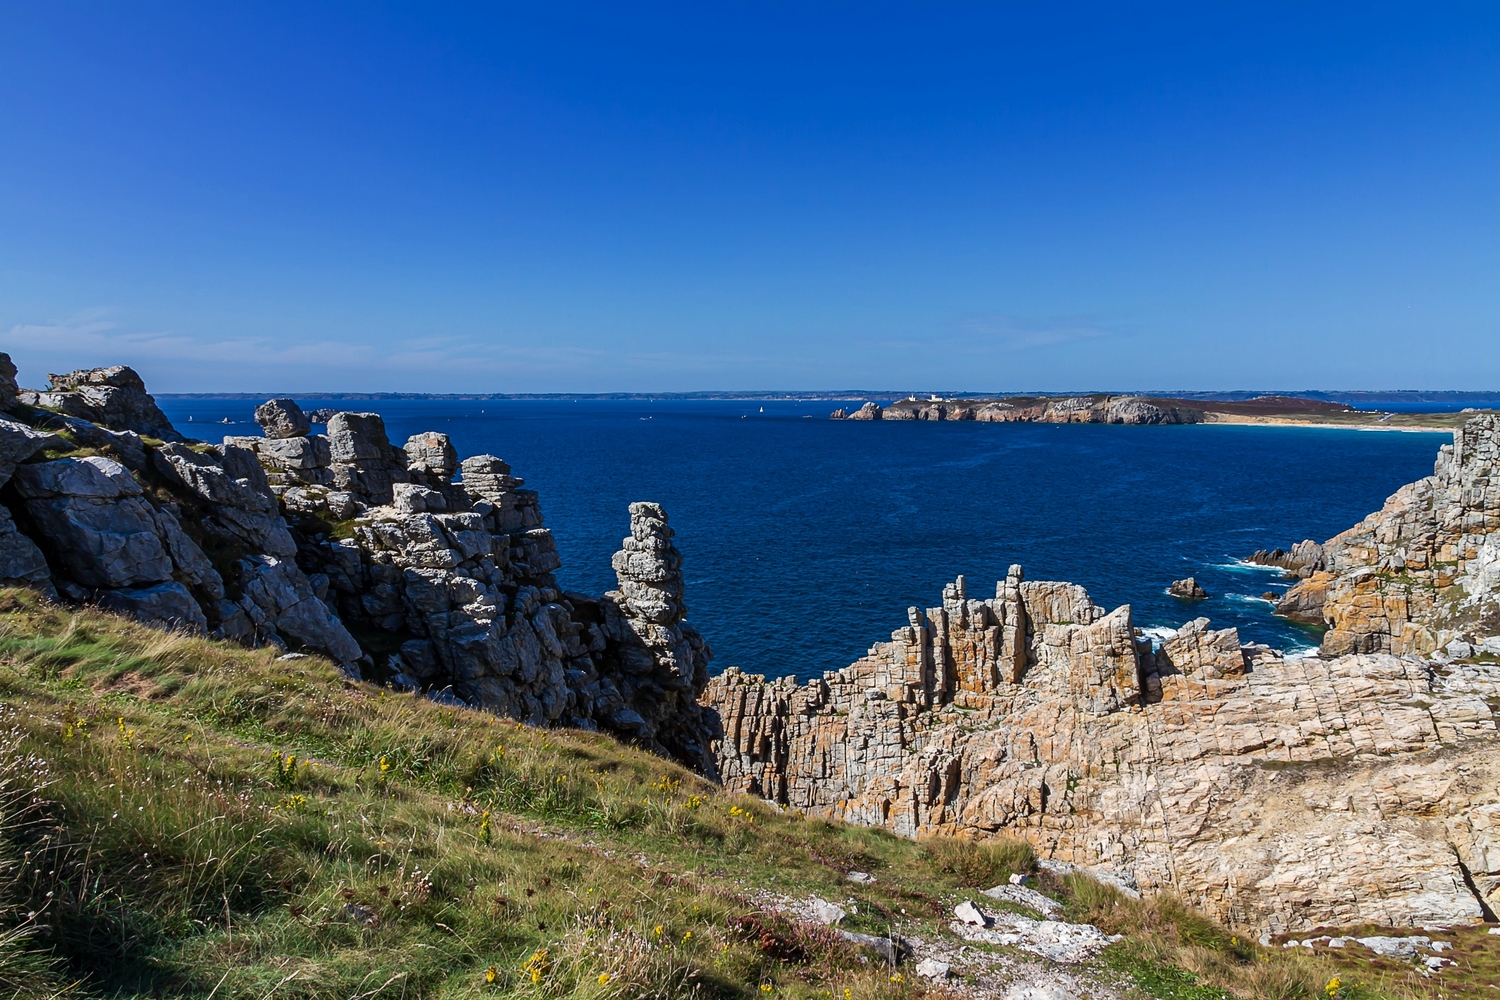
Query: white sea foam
(1245, 566)
(1248, 599)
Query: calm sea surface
(805, 539)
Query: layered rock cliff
(1276, 793)
(1420, 574)
(400, 563)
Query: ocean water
(804, 539)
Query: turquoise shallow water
(805, 539)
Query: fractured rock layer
(1275, 793)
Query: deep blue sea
(805, 539)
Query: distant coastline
(1401, 396)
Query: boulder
(363, 461)
(168, 605)
(1303, 601)
(277, 597)
(432, 456)
(282, 418)
(1195, 649)
(869, 411)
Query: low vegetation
(188, 819)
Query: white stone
(931, 968)
(970, 914)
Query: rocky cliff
(1420, 575)
(403, 564)
(1276, 793)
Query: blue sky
(638, 196)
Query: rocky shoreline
(1279, 793)
(1358, 785)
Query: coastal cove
(804, 539)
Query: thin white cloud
(177, 361)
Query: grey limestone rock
(8, 387)
(242, 509)
(363, 461)
(431, 455)
(282, 418)
(19, 442)
(277, 596)
(305, 460)
(91, 513)
(112, 397)
(21, 562)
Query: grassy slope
(185, 818)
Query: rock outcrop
(115, 398)
(1304, 559)
(282, 418)
(1188, 590)
(1276, 793)
(869, 411)
(444, 569)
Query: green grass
(189, 819)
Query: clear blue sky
(641, 196)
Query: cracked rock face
(362, 458)
(458, 579)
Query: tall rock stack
(663, 660)
(364, 462)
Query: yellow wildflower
(1333, 987)
(603, 978)
(490, 975)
